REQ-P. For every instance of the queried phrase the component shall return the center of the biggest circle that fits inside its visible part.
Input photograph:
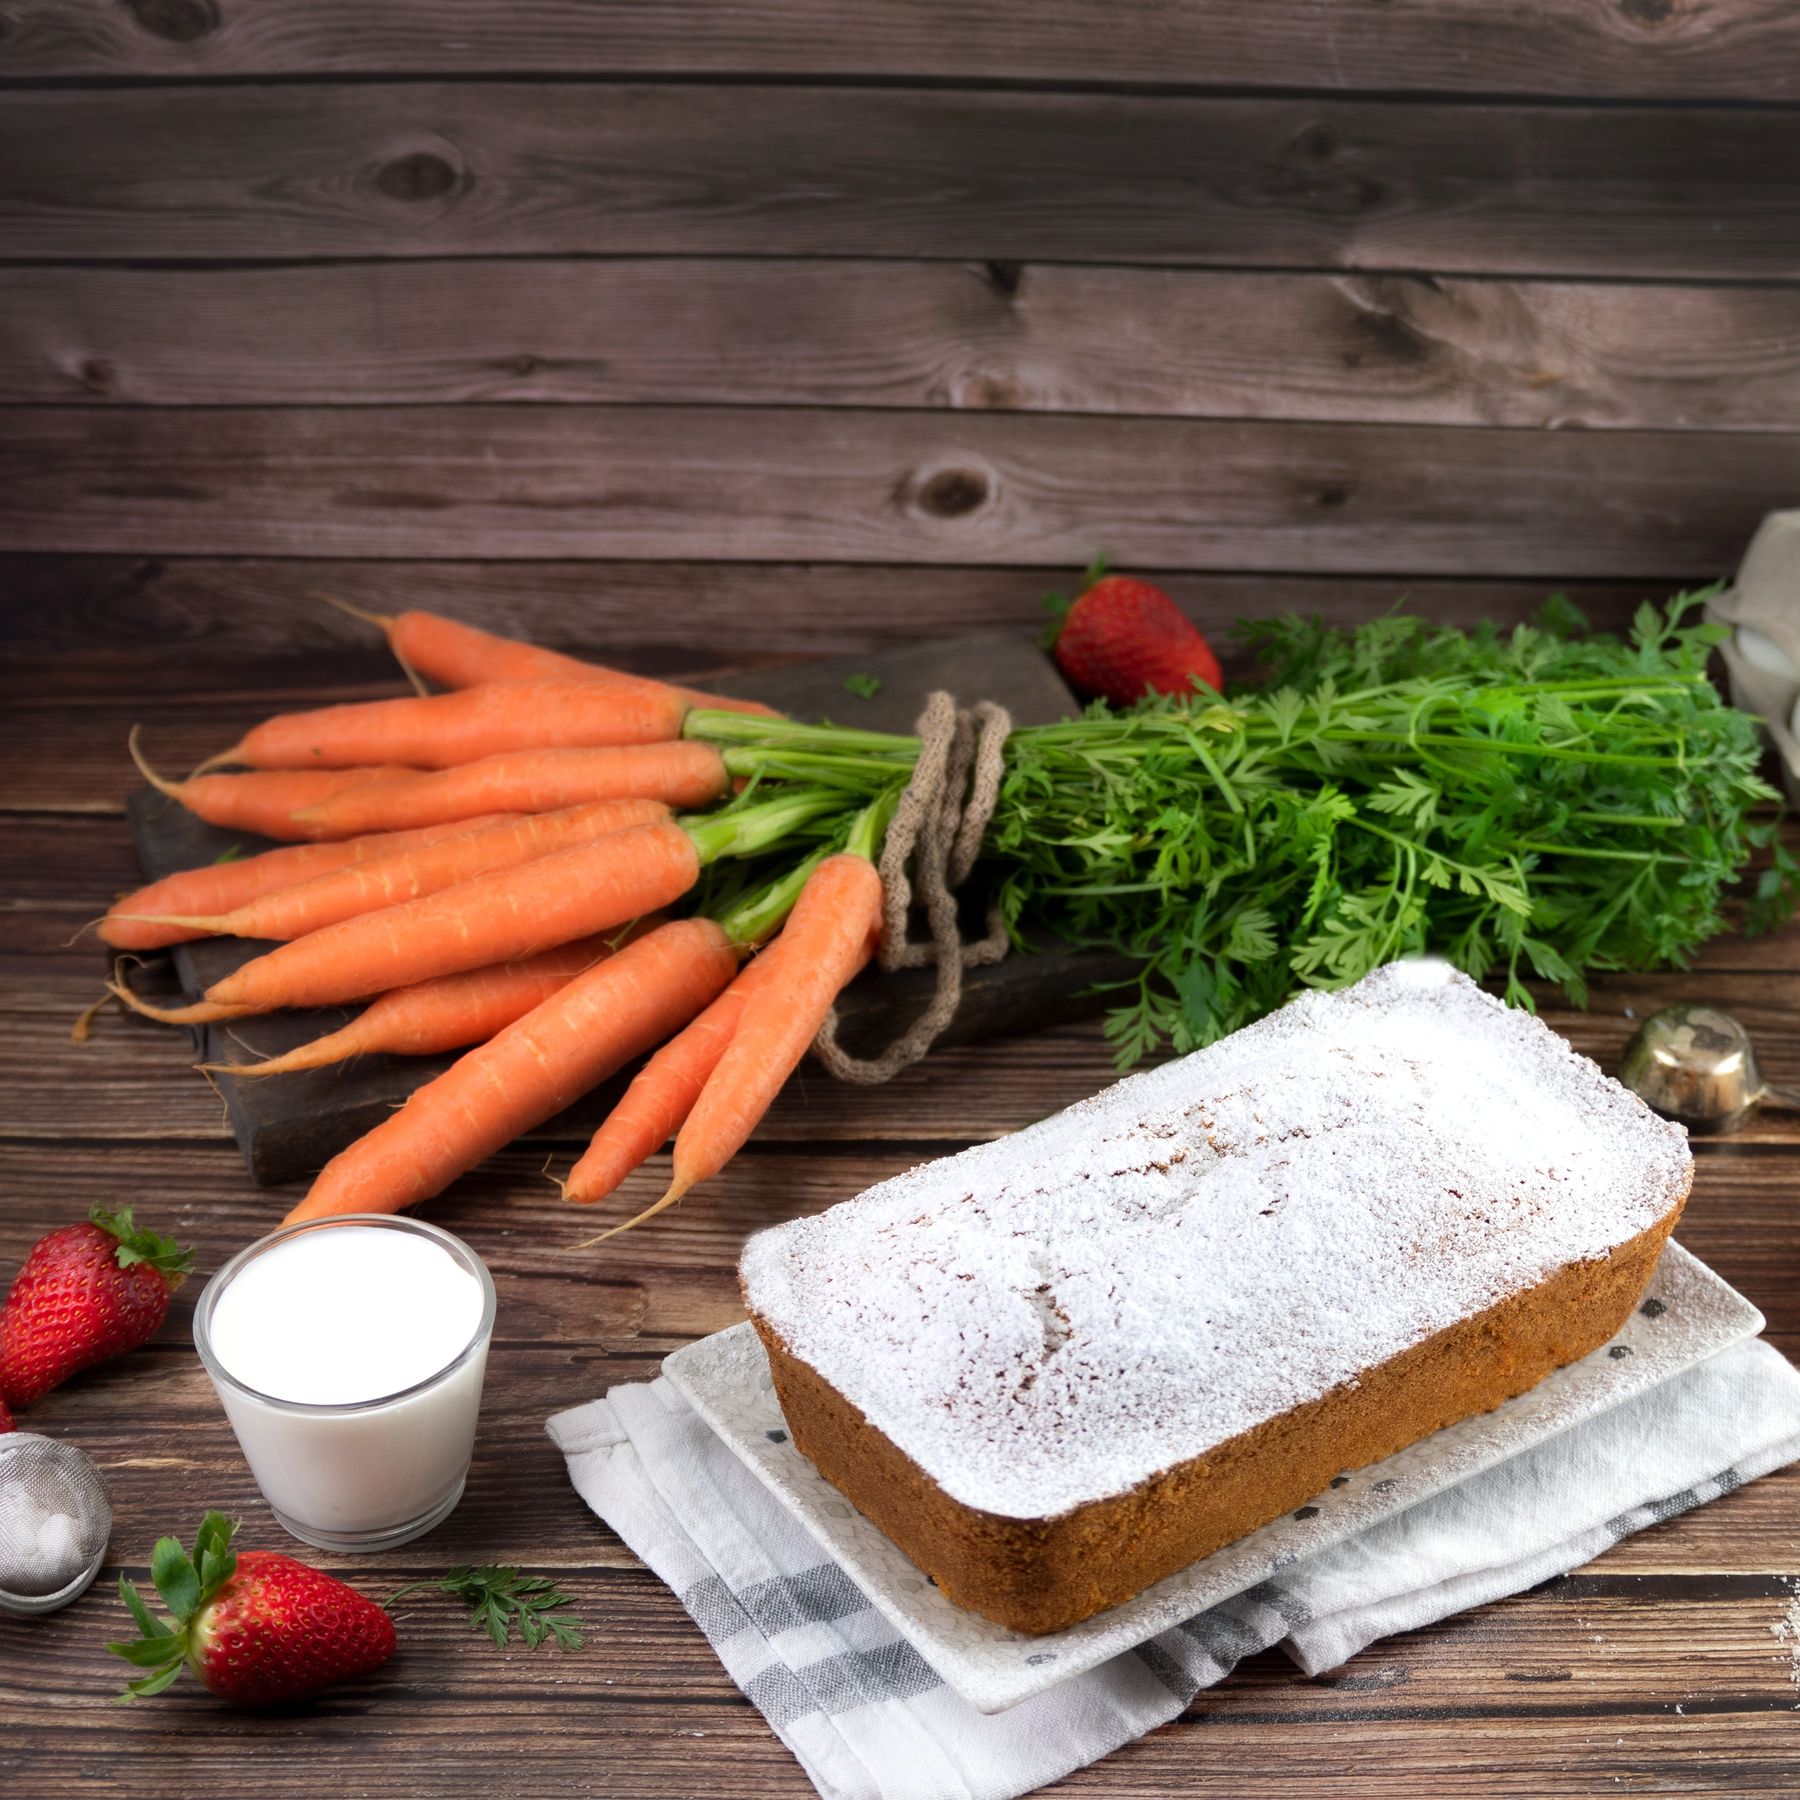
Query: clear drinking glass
(364, 1474)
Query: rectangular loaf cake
(1058, 1367)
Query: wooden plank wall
(686, 322)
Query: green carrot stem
(748, 830)
(1642, 856)
(869, 828)
(756, 918)
(857, 772)
(1481, 744)
(714, 727)
(759, 915)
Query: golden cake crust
(1042, 1575)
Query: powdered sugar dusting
(1052, 1318)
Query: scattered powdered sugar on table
(1786, 1631)
(1052, 1318)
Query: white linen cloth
(869, 1720)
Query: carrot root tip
(224, 760)
(162, 784)
(271, 1067)
(418, 681)
(83, 1028)
(218, 1094)
(677, 1189)
(203, 1012)
(382, 621)
(81, 931)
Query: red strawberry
(6, 1418)
(255, 1628)
(86, 1292)
(1123, 636)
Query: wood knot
(1335, 495)
(522, 365)
(995, 392)
(148, 572)
(1391, 337)
(1316, 171)
(1648, 12)
(1005, 278)
(175, 21)
(952, 493)
(416, 178)
(98, 375)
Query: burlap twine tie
(938, 825)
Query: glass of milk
(349, 1353)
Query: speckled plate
(1688, 1315)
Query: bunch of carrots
(490, 868)
(556, 868)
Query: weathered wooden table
(1658, 1668)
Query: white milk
(349, 1356)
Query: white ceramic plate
(1688, 1314)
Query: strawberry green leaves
(175, 1578)
(139, 1244)
(185, 1584)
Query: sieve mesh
(54, 1517)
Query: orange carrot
(829, 936)
(496, 917)
(530, 1071)
(409, 874)
(222, 887)
(680, 774)
(664, 1090)
(442, 730)
(449, 1013)
(265, 802)
(460, 656)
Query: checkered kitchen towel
(869, 1720)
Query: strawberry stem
(1058, 605)
(185, 1584)
(139, 1244)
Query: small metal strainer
(54, 1523)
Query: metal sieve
(54, 1523)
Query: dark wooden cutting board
(289, 1125)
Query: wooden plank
(908, 487)
(84, 628)
(974, 337)
(544, 168)
(49, 1089)
(141, 1075)
(648, 1754)
(627, 1752)
(1744, 49)
(624, 1717)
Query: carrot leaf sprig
(1547, 801)
(500, 1598)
